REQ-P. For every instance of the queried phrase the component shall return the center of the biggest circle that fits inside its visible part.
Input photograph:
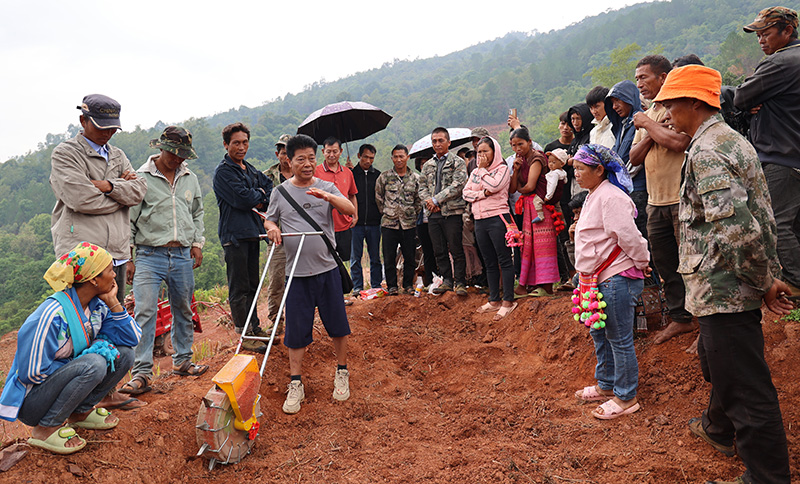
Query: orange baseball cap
(693, 81)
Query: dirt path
(439, 394)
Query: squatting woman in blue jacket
(71, 352)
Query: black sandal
(188, 368)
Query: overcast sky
(172, 60)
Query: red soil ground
(439, 394)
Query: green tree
(738, 56)
(621, 66)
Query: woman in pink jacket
(607, 244)
(487, 191)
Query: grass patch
(215, 295)
(204, 349)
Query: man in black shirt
(368, 225)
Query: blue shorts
(323, 291)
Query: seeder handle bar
(282, 306)
(291, 234)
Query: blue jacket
(238, 192)
(624, 129)
(44, 333)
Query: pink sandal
(590, 394)
(612, 410)
(488, 308)
(504, 311)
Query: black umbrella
(347, 121)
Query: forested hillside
(540, 75)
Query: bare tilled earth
(439, 394)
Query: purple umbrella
(347, 121)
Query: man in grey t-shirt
(316, 257)
(316, 283)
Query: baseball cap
(102, 110)
(479, 132)
(283, 140)
(771, 16)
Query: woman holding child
(539, 257)
(71, 352)
(608, 245)
(487, 191)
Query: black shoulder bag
(347, 282)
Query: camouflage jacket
(727, 250)
(398, 199)
(274, 174)
(454, 177)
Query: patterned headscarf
(594, 154)
(83, 263)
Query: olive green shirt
(168, 213)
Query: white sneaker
(341, 385)
(295, 393)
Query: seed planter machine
(228, 418)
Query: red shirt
(344, 181)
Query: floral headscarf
(83, 263)
(594, 154)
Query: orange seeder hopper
(240, 380)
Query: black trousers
(662, 230)
(565, 267)
(406, 239)
(428, 257)
(446, 237)
(491, 235)
(344, 242)
(640, 200)
(242, 267)
(120, 275)
(518, 219)
(743, 402)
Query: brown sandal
(137, 385)
(188, 368)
